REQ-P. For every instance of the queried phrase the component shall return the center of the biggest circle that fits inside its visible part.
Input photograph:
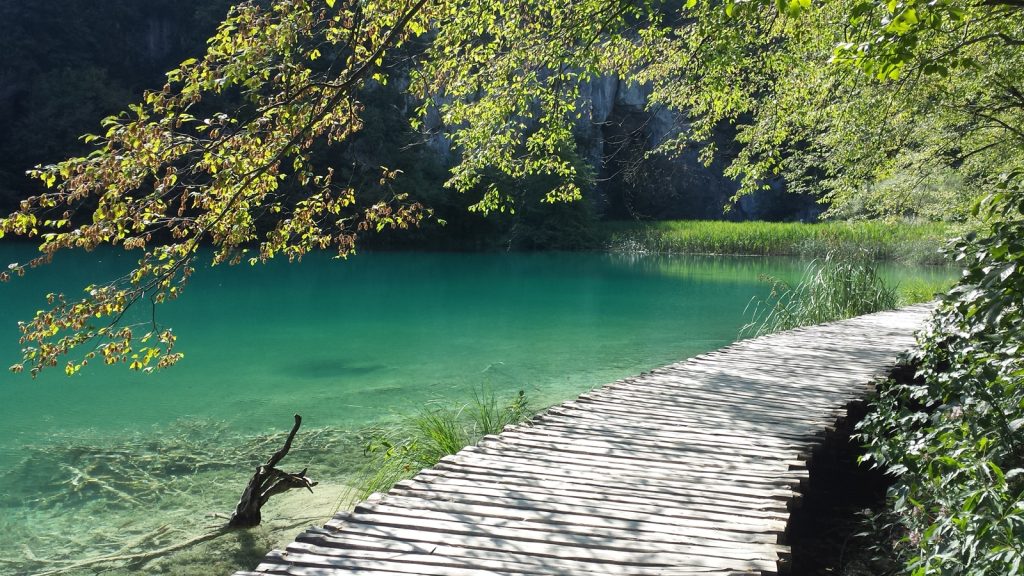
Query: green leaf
(997, 471)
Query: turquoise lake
(347, 344)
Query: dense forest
(67, 64)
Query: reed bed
(917, 242)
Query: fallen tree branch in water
(268, 481)
(137, 471)
(81, 477)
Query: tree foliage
(175, 172)
(865, 102)
(162, 180)
(954, 436)
(838, 95)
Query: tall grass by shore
(835, 287)
(399, 451)
(906, 241)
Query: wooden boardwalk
(689, 469)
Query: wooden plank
(752, 396)
(541, 548)
(363, 564)
(831, 381)
(722, 460)
(691, 474)
(807, 361)
(758, 398)
(620, 440)
(712, 416)
(597, 502)
(775, 364)
(794, 426)
(666, 406)
(670, 485)
(593, 505)
(761, 407)
(273, 565)
(824, 388)
(823, 347)
(517, 530)
(738, 377)
(538, 450)
(511, 509)
(808, 437)
(488, 559)
(555, 421)
(746, 388)
(577, 413)
(620, 493)
(820, 343)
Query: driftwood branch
(268, 481)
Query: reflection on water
(347, 345)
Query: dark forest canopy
(66, 64)
(859, 102)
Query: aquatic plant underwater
(79, 503)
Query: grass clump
(399, 451)
(915, 242)
(833, 288)
(914, 290)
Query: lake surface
(347, 344)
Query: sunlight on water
(345, 343)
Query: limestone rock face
(619, 130)
(160, 37)
(605, 94)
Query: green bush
(833, 288)
(954, 435)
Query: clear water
(345, 343)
